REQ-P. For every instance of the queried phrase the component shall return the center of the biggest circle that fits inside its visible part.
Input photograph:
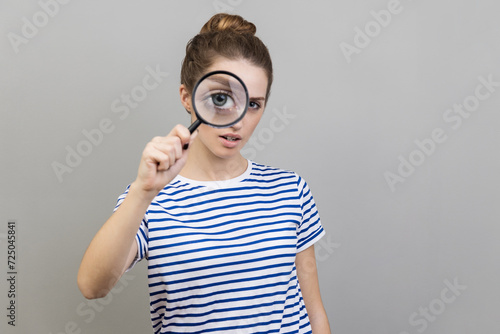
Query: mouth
(230, 140)
(231, 137)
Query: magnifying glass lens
(220, 99)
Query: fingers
(165, 151)
(182, 133)
(162, 159)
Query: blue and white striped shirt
(221, 255)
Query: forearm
(107, 256)
(308, 279)
(319, 322)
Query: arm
(114, 247)
(307, 274)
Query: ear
(185, 98)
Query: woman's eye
(254, 105)
(222, 100)
(219, 99)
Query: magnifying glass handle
(191, 129)
(194, 126)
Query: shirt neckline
(221, 183)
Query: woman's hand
(162, 159)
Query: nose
(237, 126)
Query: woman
(227, 240)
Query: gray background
(389, 254)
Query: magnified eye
(222, 100)
(219, 100)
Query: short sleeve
(310, 229)
(142, 234)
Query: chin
(226, 154)
(218, 150)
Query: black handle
(191, 129)
(195, 125)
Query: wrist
(138, 192)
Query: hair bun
(228, 22)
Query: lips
(230, 140)
(231, 137)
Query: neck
(203, 165)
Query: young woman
(229, 242)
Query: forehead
(253, 76)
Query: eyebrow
(227, 83)
(257, 98)
(224, 81)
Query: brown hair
(229, 36)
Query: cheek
(252, 122)
(204, 132)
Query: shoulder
(279, 175)
(266, 172)
(263, 170)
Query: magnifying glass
(220, 99)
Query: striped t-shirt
(221, 255)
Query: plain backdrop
(384, 107)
